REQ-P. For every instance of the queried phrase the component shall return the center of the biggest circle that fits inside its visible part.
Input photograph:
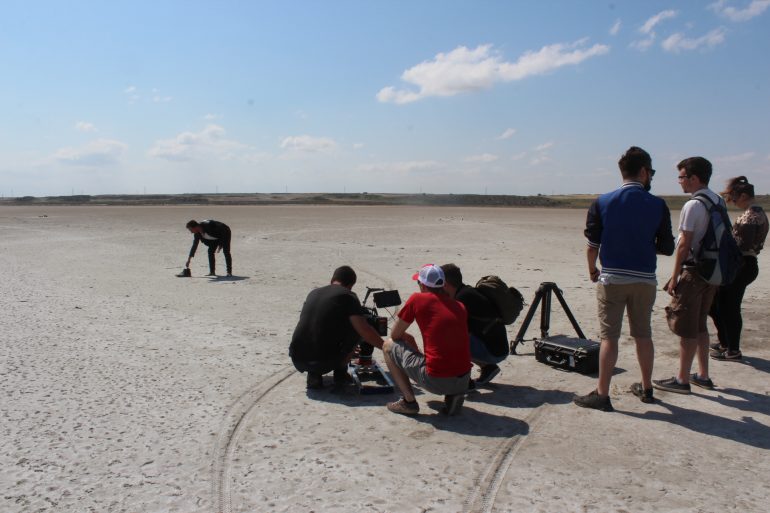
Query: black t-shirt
(324, 331)
(481, 312)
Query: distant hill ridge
(474, 200)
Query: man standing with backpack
(691, 293)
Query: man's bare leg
(398, 374)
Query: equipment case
(575, 354)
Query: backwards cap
(430, 275)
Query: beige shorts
(635, 298)
(688, 312)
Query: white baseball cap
(431, 276)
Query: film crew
(443, 367)
(216, 236)
(330, 326)
(750, 231)
(691, 295)
(625, 230)
(487, 333)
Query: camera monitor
(386, 298)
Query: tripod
(543, 294)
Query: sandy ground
(126, 389)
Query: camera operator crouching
(330, 326)
(443, 368)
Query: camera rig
(367, 373)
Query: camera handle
(369, 291)
(543, 294)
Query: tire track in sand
(482, 496)
(230, 432)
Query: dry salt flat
(126, 389)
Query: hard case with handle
(575, 354)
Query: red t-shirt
(443, 323)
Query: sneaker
(595, 401)
(487, 373)
(315, 381)
(645, 394)
(341, 377)
(718, 347)
(211, 274)
(700, 382)
(671, 385)
(453, 404)
(726, 355)
(404, 407)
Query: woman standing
(750, 230)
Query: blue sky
(510, 97)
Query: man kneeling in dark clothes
(330, 325)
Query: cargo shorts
(688, 312)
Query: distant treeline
(475, 200)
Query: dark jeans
(224, 243)
(726, 309)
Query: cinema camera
(367, 373)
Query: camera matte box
(573, 354)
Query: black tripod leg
(569, 313)
(545, 313)
(524, 325)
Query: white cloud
(100, 152)
(208, 143)
(754, 9)
(211, 117)
(650, 23)
(677, 42)
(484, 158)
(735, 159)
(404, 167)
(615, 29)
(647, 30)
(519, 156)
(308, 144)
(544, 146)
(507, 134)
(358, 146)
(158, 98)
(539, 159)
(84, 126)
(465, 70)
(132, 93)
(643, 44)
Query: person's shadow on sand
(220, 279)
(743, 400)
(512, 396)
(758, 363)
(472, 422)
(746, 431)
(348, 395)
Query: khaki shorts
(689, 308)
(636, 298)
